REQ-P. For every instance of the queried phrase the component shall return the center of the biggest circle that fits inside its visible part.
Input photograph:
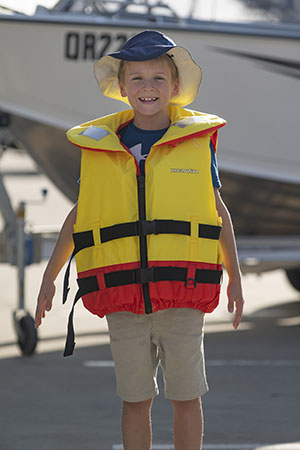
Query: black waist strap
(85, 239)
(144, 228)
(153, 274)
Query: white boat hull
(250, 77)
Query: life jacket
(147, 243)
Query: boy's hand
(235, 301)
(44, 301)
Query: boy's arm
(63, 248)
(231, 263)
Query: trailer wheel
(293, 276)
(27, 335)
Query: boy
(147, 233)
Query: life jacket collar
(101, 134)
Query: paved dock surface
(48, 402)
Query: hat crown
(149, 38)
(148, 44)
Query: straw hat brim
(189, 74)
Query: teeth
(148, 99)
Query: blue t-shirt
(140, 141)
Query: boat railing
(157, 11)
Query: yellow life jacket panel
(146, 243)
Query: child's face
(149, 88)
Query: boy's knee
(187, 406)
(137, 407)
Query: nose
(147, 84)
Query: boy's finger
(44, 304)
(40, 311)
(48, 305)
(236, 322)
(230, 306)
(238, 314)
(38, 319)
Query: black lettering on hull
(72, 46)
(91, 46)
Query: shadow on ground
(52, 403)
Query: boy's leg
(136, 425)
(188, 424)
(136, 360)
(179, 336)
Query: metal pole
(6, 207)
(21, 252)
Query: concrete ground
(48, 402)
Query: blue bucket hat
(144, 46)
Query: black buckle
(144, 275)
(145, 227)
(190, 283)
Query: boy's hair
(167, 58)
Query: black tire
(293, 276)
(27, 335)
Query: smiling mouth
(148, 99)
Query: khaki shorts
(173, 338)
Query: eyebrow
(140, 73)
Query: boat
(251, 74)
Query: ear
(175, 90)
(122, 90)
